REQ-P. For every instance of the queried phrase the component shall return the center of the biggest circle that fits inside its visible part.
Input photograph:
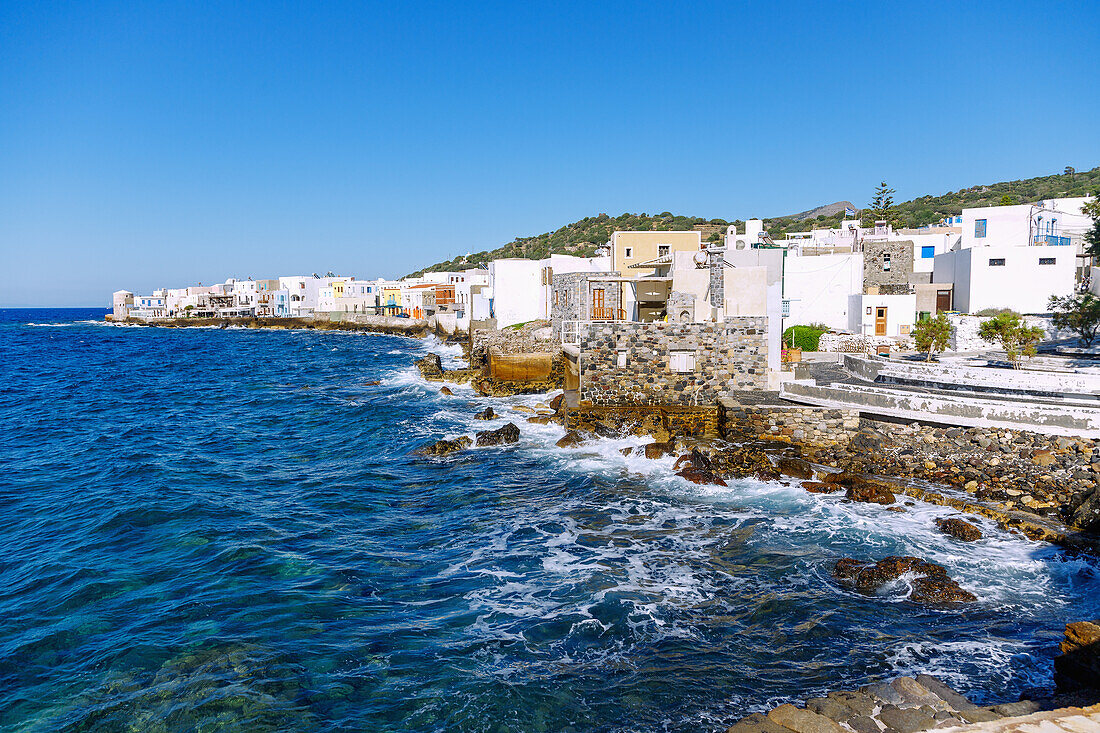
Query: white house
(1018, 277)
(515, 292)
(1054, 222)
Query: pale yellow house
(641, 254)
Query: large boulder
(818, 487)
(698, 469)
(959, 529)
(556, 403)
(871, 492)
(502, 435)
(571, 440)
(444, 447)
(431, 367)
(654, 451)
(1087, 516)
(795, 467)
(932, 585)
(486, 414)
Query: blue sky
(162, 144)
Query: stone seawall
(415, 327)
(809, 426)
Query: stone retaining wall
(631, 363)
(526, 340)
(804, 425)
(660, 421)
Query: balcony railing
(1050, 240)
(602, 313)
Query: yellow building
(338, 288)
(391, 299)
(631, 249)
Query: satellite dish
(700, 258)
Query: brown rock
(795, 468)
(654, 451)
(757, 723)
(933, 586)
(486, 414)
(446, 391)
(444, 447)
(375, 384)
(802, 721)
(959, 529)
(571, 440)
(556, 403)
(540, 419)
(698, 469)
(818, 487)
(870, 492)
(507, 434)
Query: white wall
(819, 287)
(901, 311)
(560, 264)
(1009, 226)
(516, 293)
(1021, 284)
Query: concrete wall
(631, 363)
(644, 246)
(900, 314)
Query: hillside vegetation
(582, 237)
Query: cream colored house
(639, 254)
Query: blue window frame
(979, 228)
(928, 251)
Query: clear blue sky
(150, 144)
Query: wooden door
(880, 320)
(599, 307)
(943, 300)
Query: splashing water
(208, 528)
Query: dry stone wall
(672, 363)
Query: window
(682, 362)
(997, 262)
(663, 249)
(886, 262)
(628, 252)
(622, 359)
(1047, 260)
(927, 252)
(979, 228)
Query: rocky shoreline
(411, 327)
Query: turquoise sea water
(207, 529)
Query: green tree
(1007, 200)
(1079, 313)
(1092, 236)
(882, 203)
(1009, 330)
(932, 335)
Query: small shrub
(804, 337)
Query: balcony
(1051, 240)
(601, 313)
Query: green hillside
(582, 237)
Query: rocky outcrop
(698, 469)
(486, 414)
(932, 584)
(653, 451)
(905, 705)
(507, 434)
(795, 467)
(446, 391)
(871, 492)
(1079, 664)
(571, 440)
(958, 528)
(431, 368)
(444, 447)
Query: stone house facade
(574, 295)
(685, 364)
(887, 267)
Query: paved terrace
(1050, 403)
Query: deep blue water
(205, 529)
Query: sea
(210, 529)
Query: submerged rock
(486, 414)
(444, 447)
(931, 586)
(959, 529)
(540, 419)
(446, 391)
(507, 434)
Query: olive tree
(932, 335)
(1079, 313)
(1010, 331)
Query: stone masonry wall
(509, 341)
(732, 355)
(896, 280)
(570, 298)
(804, 425)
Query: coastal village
(693, 339)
